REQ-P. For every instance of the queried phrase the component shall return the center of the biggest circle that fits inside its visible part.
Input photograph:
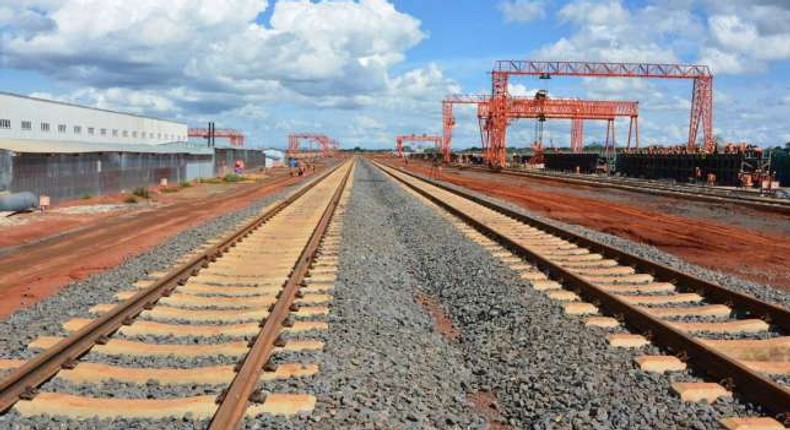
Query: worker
(435, 166)
(292, 164)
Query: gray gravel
(46, 317)
(548, 371)
(384, 365)
(760, 291)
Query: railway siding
(257, 260)
(559, 257)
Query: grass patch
(210, 181)
(142, 192)
(170, 190)
(186, 184)
(130, 199)
(86, 197)
(232, 177)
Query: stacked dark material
(681, 167)
(566, 162)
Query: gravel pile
(384, 366)
(547, 370)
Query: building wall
(5, 170)
(68, 176)
(47, 119)
(225, 159)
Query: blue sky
(364, 71)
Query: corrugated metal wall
(5, 170)
(225, 159)
(64, 176)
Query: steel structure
(437, 140)
(701, 105)
(448, 119)
(235, 137)
(325, 145)
(542, 108)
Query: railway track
(690, 192)
(219, 319)
(733, 339)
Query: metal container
(18, 202)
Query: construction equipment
(324, 145)
(235, 137)
(437, 141)
(542, 107)
(701, 106)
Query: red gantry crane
(437, 141)
(235, 137)
(701, 104)
(542, 107)
(324, 144)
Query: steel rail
(23, 382)
(714, 292)
(753, 386)
(776, 206)
(233, 405)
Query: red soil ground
(760, 253)
(39, 258)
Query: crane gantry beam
(437, 141)
(325, 144)
(235, 137)
(542, 107)
(701, 105)
(577, 110)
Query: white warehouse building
(65, 151)
(33, 119)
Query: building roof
(88, 107)
(75, 147)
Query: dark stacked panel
(780, 163)
(563, 162)
(682, 167)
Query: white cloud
(588, 12)
(745, 40)
(522, 11)
(722, 62)
(117, 99)
(609, 31)
(520, 90)
(339, 48)
(196, 60)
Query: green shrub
(142, 192)
(130, 199)
(232, 177)
(186, 184)
(86, 197)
